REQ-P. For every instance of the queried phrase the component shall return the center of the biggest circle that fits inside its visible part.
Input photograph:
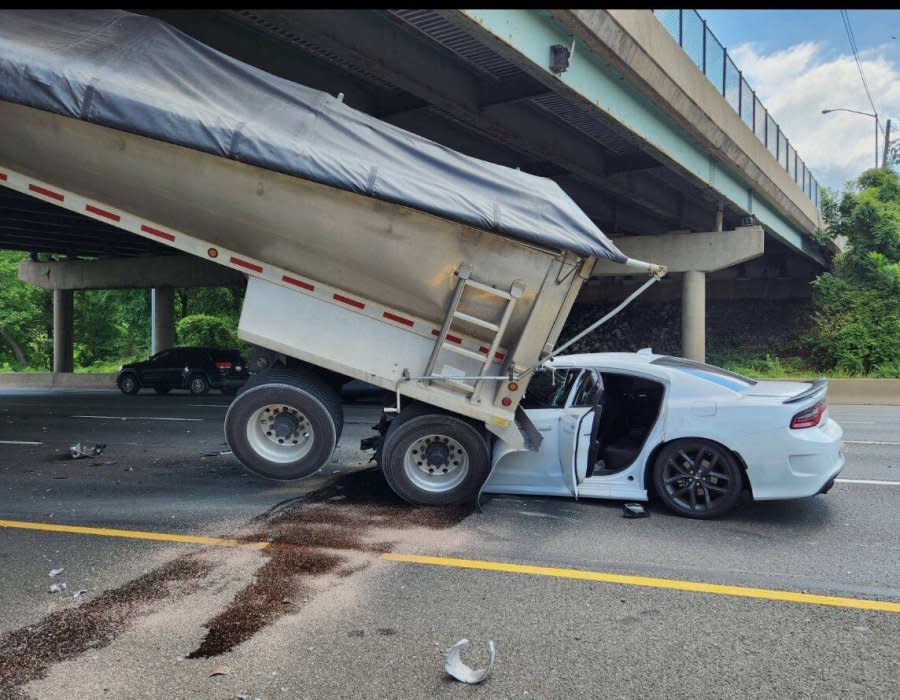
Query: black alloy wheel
(697, 478)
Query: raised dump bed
(371, 252)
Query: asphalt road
(326, 612)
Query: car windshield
(716, 375)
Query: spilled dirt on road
(321, 534)
(26, 654)
(312, 544)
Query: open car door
(577, 431)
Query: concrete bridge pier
(159, 273)
(162, 310)
(693, 254)
(63, 330)
(693, 315)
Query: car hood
(776, 389)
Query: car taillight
(809, 417)
(224, 364)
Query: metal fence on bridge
(689, 29)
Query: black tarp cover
(138, 74)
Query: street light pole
(887, 143)
(865, 114)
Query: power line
(853, 47)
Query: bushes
(857, 318)
(202, 330)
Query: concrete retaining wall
(44, 380)
(883, 392)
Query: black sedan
(195, 369)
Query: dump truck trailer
(371, 253)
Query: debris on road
(55, 572)
(455, 667)
(58, 587)
(220, 671)
(81, 450)
(79, 593)
(634, 510)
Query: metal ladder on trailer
(464, 273)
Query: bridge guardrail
(689, 29)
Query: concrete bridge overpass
(606, 102)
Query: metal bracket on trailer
(406, 377)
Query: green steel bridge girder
(530, 33)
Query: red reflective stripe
(483, 349)
(245, 264)
(2, 176)
(102, 212)
(398, 319)
(298, 283)
(156, 232)
(451, 338)
(349, 301)
(499, 355)
(47, 193)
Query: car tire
(435, 459)
(697, 478)
(162, 390)
(198, 384)
(311, 421)
(128, 383)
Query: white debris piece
(79, 593)
(55, 572)
(57, 587)
(80, 450)
(455, 667)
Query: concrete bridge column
(693, 254)
(163, 321)
(693, 315)
(63, 338)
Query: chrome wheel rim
(197, 385)
(280, 433)
(128, 384)
(436, 463)
(695, 479)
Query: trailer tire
(284, 424)
(435, 459)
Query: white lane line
(876, 482)
(137, 418)
(870, 442)
(19, 442)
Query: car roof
(622, 360)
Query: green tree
(206, 331)
(26, 318)
(857, 318)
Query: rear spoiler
(818, 385)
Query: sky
(800, 62)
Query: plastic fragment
(220, 671)
(455, 667)
(57, 587)
(79, 593)
(56, 572)
(634, 510)
(80, 450)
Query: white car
(637, 425)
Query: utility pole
(887, 144)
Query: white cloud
(798, 82)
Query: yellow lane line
(131, 534)
(673, 584)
